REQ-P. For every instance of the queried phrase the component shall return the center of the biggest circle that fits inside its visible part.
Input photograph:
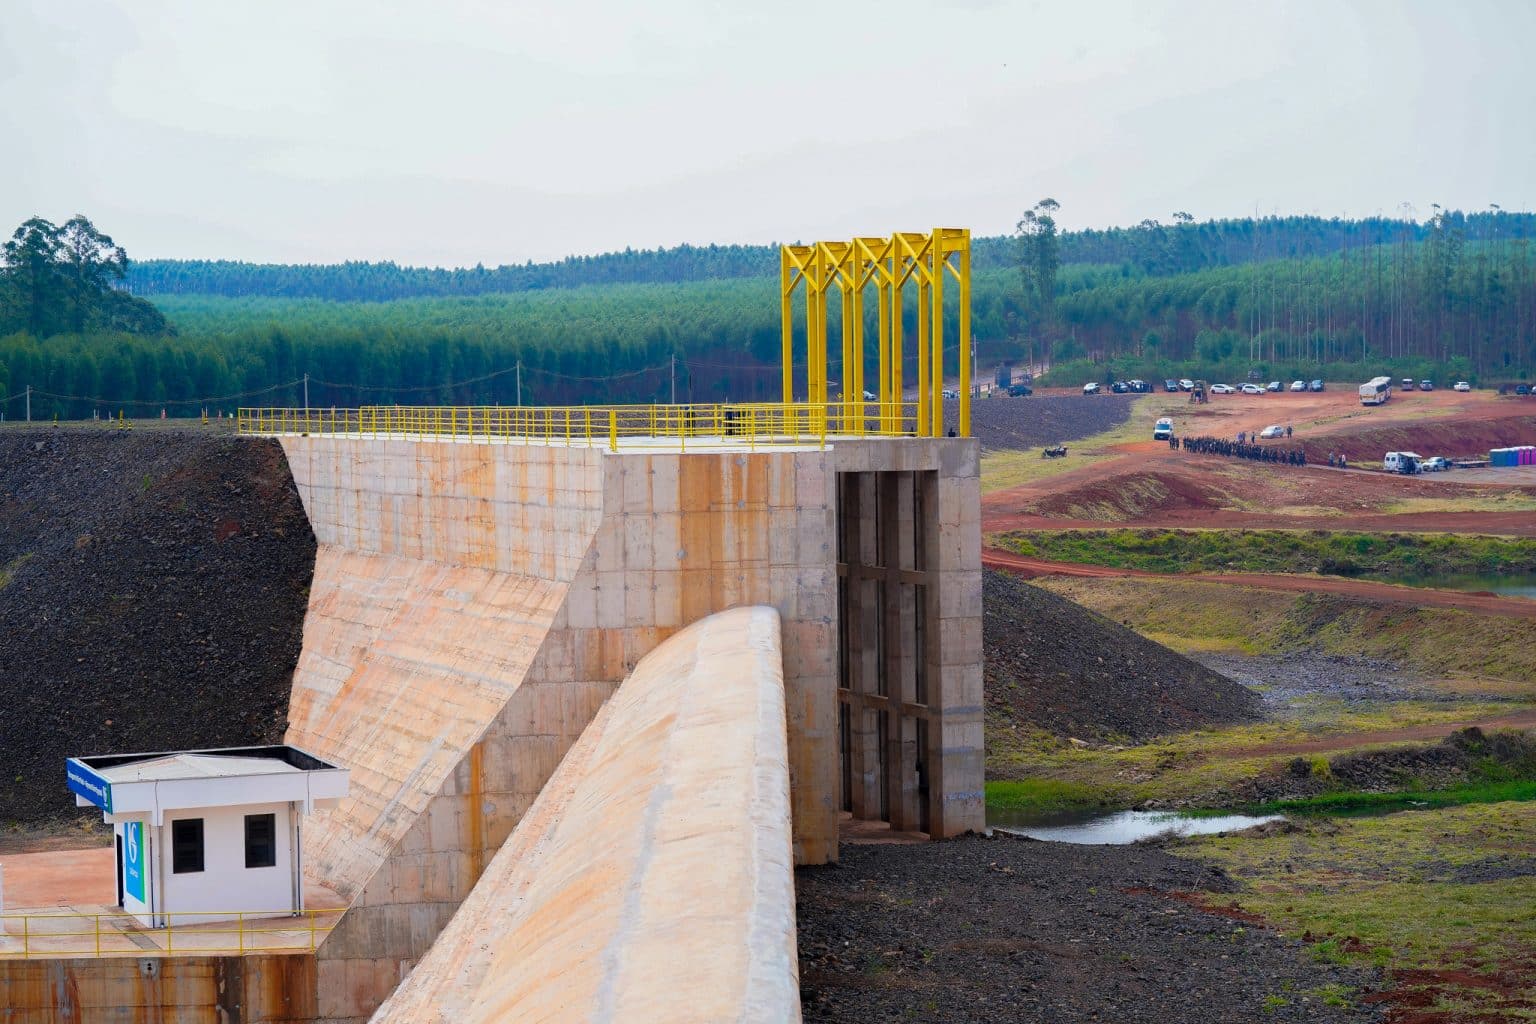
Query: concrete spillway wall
(652, 879)
(475, 604)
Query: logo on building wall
(133, 860)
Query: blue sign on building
(86, 783)
(133, 860)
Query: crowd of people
(1242, 449)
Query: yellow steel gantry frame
(848, 268)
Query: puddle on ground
(1096, 828)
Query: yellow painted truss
(847, 269)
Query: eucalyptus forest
(84, 329)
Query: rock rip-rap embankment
(1056, 665)
(153, 585)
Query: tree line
(1453, 295)
(1148, 248)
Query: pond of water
(1520, 585)
(1097, 828)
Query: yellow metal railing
(748, 424)
(116, 933)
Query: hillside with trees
(1150, 247)
(1291, 297)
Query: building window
(186, 845)
(260, 840)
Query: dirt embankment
(1011, 930)
(1057, 666)
(152, 595)
(1451, 437)
(1012, 424)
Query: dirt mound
(152, 594)
(1128, 496)
(1467, 755)
(1057, 666)
(979, 930)
(1013, 424)
(1450, 437)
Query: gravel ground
(153, 586)
(1006, 929)
(1284, 678)
(1057, 666)
(1009, 424)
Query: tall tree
(1039, 260)
(91, 264)
(56, 280)
(31, 274)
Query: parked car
(1522, 389)
(870, 396)
(1461, 385)
(1275, 385)
(1297, 385)
(1016, 390)
(1436, 464)
(1401, 462)
(1091, 388)
(1187, 384)
(1273, 430)
(1407, 384)
(1120, 387)
(1141, 387)
(1316, 385)
(1223, 389)
(1252, 389)
(1426, 385)
(1170, 385)
(951, 393)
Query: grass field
(1004, 469)
(1190, 616)
(1200, 769)
(1380, 556)
(1439, 898)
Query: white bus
(1376, 392)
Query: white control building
(207, 835)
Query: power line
(415, 388)
(159, 401)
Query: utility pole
(306, 392)
(674, 379)
(519, 383)
(29, 403)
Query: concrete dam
(599, 678)
(597, 700)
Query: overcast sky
(455, 132)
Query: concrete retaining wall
(652, 879)
(266, 989)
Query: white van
(1162, 430)
(1402, 462)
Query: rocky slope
(153, 585)
(1057, 666)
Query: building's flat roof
(196, 766)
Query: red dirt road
(1485, 603)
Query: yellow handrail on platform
(118, 933)
(751, 424)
